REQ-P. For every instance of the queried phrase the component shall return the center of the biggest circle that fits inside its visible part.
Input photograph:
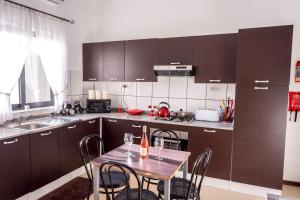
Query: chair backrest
(109, 167)
(91, 146)
(199, 171)
(171, 139)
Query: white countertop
(6, 133)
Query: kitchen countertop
(59, 121)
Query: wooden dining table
(151, 166)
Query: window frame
(22, 96)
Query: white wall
(99, 20)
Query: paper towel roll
(105, 94)
(98, 94)
(92, 94)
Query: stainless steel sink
(30, 126)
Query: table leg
(96, 182)
(185, 169)
(167, 186)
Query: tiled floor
(211, 193)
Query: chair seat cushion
(179, 188)
(118, 179)
(132, 194)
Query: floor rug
(77, 189)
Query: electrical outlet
(124, 86)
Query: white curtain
(15, 34)
(50, 44)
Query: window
(32, 87)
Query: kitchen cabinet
(221, 143)
(92, 61)
(113, 56)
(264, 55)
(112, 133)
(70, 137)
(259, 135)
(140, 58)
(134, 127)
(15, 167)
(92, 127)
(215, 58)
(45, 162)
(180, 50)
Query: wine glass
(159, 145)
(128, 140)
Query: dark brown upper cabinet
(259, 135)
(264, 55)
(92, 61)
(113, 56)
(140, 57)
(180, 50)
(215, 58)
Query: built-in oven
(171, 143)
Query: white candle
(105, 94)
(92, 94)
(98, 94)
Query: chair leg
(143, 180)
(148, 184)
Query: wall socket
(124, 86)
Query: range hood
(174, 70)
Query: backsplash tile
(161, 87)
(216, 91)
(180, 92)
(195, 90)
(178, 87)
(144, 89)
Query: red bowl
(135, 112)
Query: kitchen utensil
(181, 115)
(296, 113)
(135, 111)
(291, 111)
(77, 107)
(163, 110)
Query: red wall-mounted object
(294, 101)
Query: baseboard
(292, 183)
(37, 194)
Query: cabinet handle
(112, 120)
(11, 142)
(113, 79)
(175, 63)
(261, 81)
(209, 131)
(45, 134)
(137, 137)
(261, 88)
(92, 121)
(214, 81)
(136, 126)
(92, 79)
(71, 127)
(140, 79)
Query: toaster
(207, 115)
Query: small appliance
(163, 110)
(207, 115)
(174, 70)
(98, 105)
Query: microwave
(98, 106)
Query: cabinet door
(264, 55)
(259, 135)
(134, 127)
(112, 133)
(45, 162)
(15, 167)
(221, 143)
(215, 59)
(92, 61)
(92, 127)
(113, 61)
(176, 50)
(70, 137)
(140, 57)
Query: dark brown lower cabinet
(92, 127)
(259, 135)
(15, 167)
(112, 133)
(70, 137)
(221, 143)
(45, 162)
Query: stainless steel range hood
(174, 70)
